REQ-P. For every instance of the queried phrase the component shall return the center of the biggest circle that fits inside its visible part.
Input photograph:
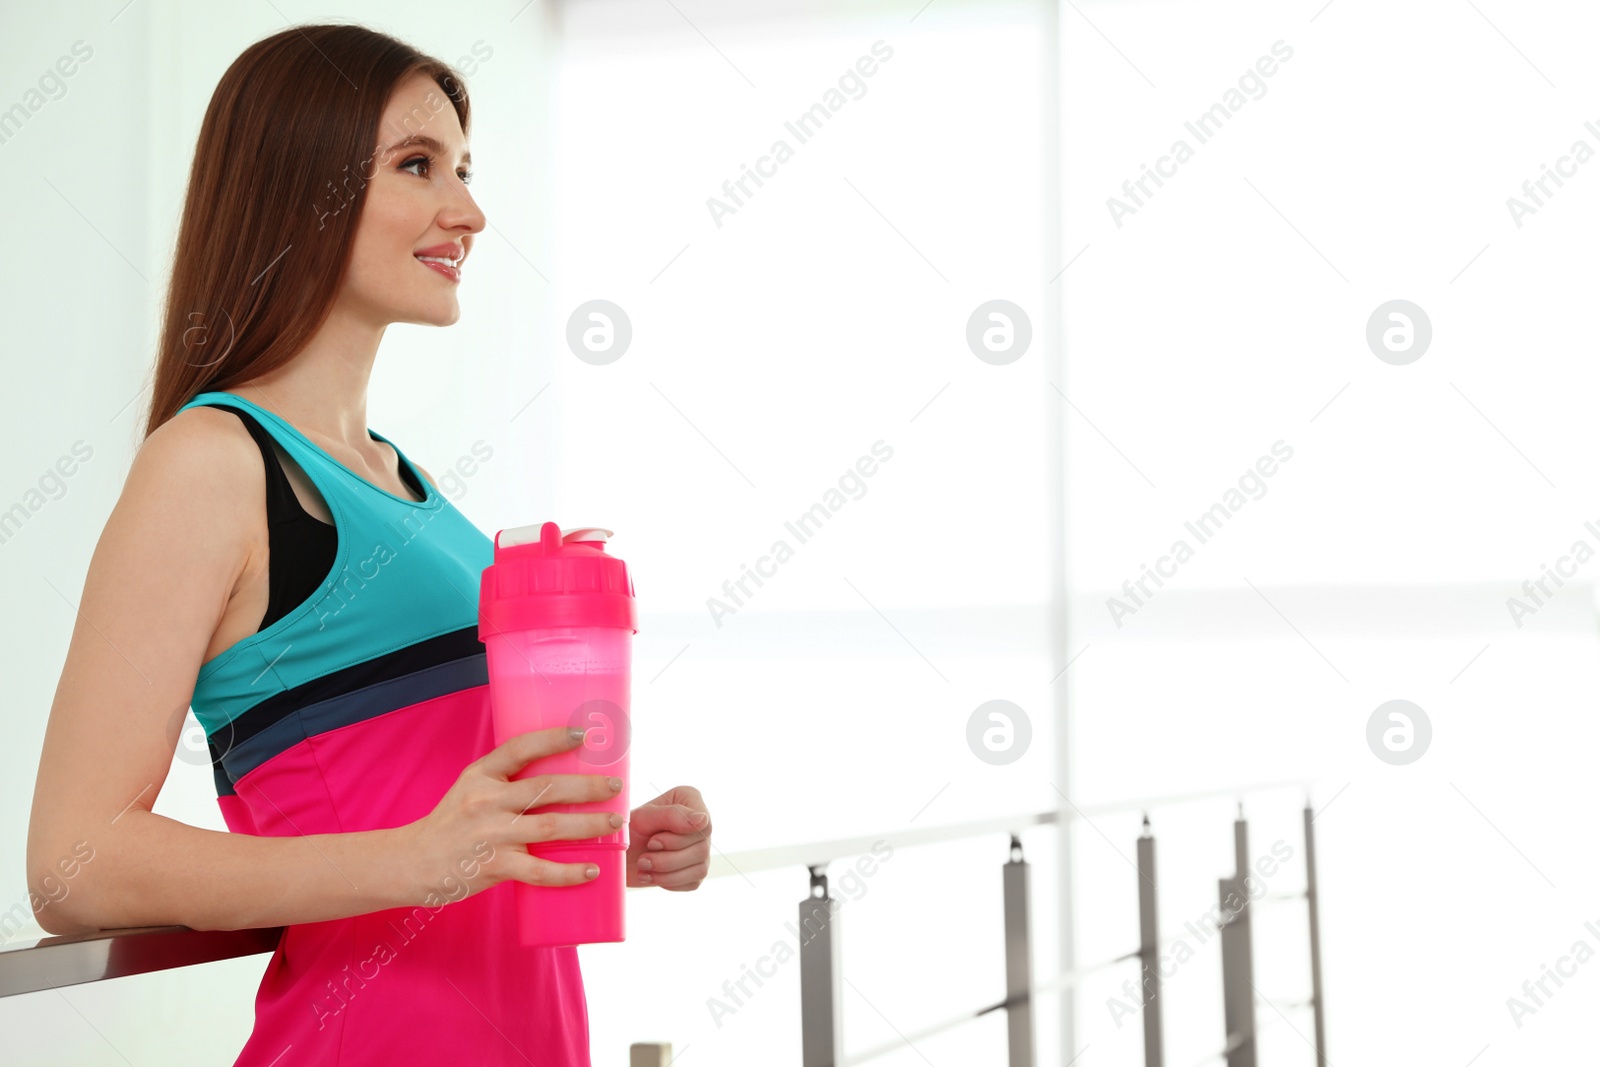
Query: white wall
(96, 179)
(829, 312)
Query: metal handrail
(72, 959)
(824, 1047)
(813, 853)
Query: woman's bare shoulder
(200, 465)
(202, 446)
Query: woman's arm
(189, 523)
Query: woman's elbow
(57, 884)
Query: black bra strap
(301, 547)
(282, 503)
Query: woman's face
(416, 202)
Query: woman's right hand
(477, 835)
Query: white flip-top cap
(522, 535)
(585, 533)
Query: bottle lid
(522, 535)
(543, 576)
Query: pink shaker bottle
(556, 617)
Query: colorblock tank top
(357, 710)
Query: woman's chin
(434, 315)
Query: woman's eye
(427, 163)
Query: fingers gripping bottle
(556, 617)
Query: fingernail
(575, 734)
(655, 844)
(616, 821)
(591, 871)
(614, 783)
(698, 818)
(646, 865)
(644, 878)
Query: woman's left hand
(669, 841)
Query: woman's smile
(445, 259)
(453, 273)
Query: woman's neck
(322, 391)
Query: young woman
(302, 584)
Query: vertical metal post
(652, 1054)
(1019, 959)
(821, 1015)
(1238, 996)
(1238, 984)
(1241, 846)
(1149, 948)
(1243, 874)
(1316, 939)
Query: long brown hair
(279, 178)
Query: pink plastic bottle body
(569, 676)
(549, 667)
